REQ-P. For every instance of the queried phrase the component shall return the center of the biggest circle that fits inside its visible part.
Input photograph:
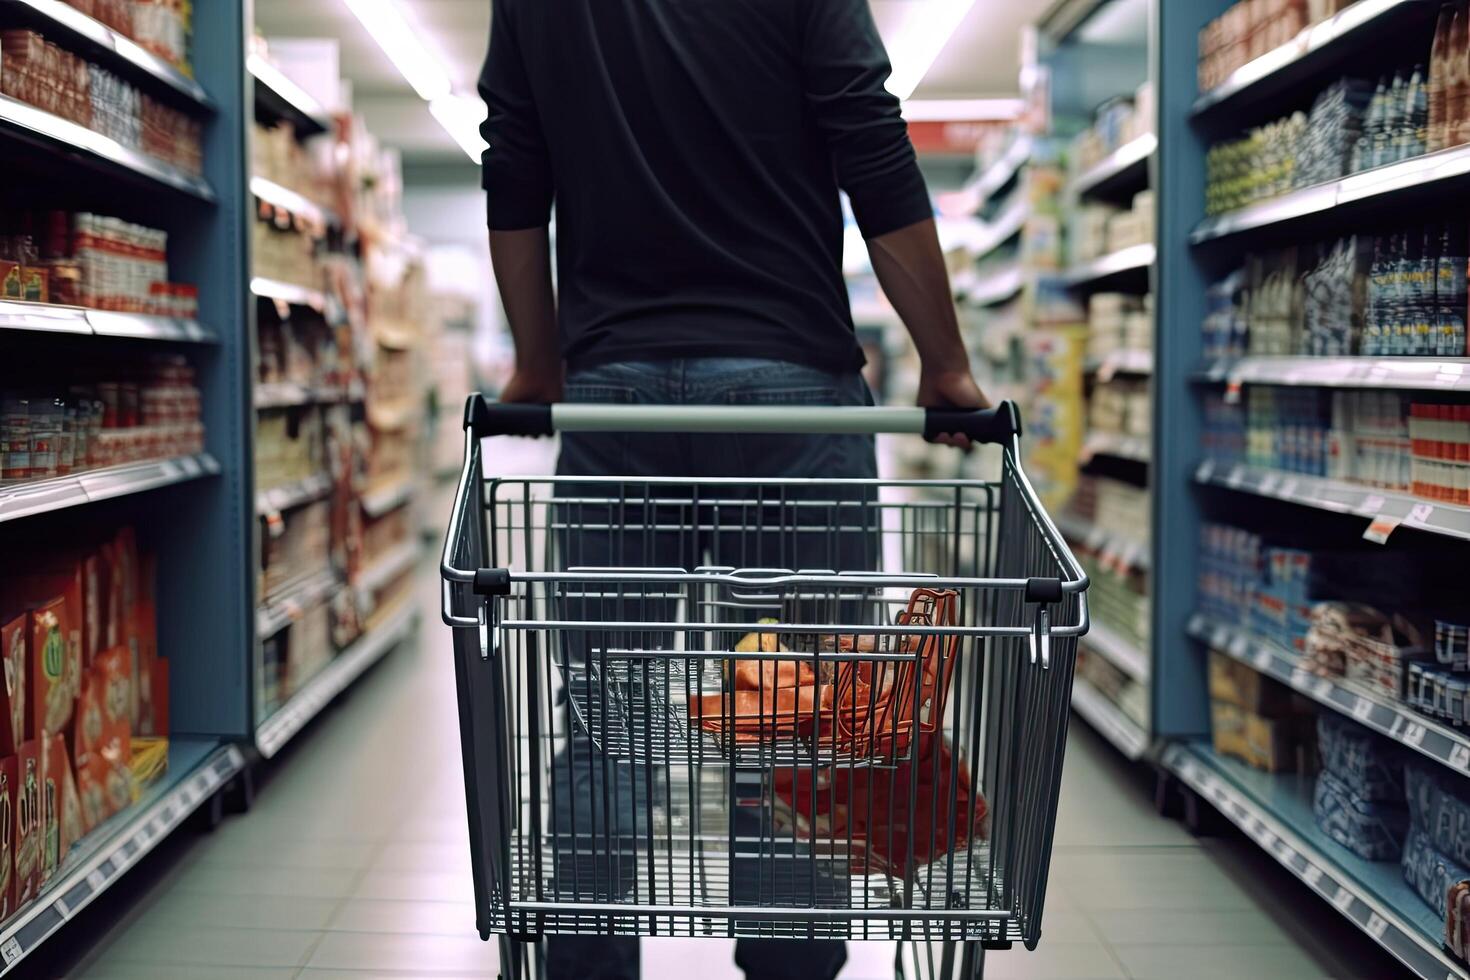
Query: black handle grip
(1001, 424)
(489, 418)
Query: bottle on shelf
(1438, 89)
(1450, 288)
(1412, 135)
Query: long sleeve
(516, 167)
(845, 68)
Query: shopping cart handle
(1001, 424)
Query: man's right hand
(951, 389)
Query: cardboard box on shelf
(1236, 683)
(27, 845)
(104, 737)
(13, 694)
(1271, 744)
(61, 818)
(51, 701)
(8, 804)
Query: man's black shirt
(694, 150)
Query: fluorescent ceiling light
(962, 110)
(926, 29)
(385, 22)
(461, 116)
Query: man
(694, 150)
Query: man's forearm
(910, 267)
(522, 263)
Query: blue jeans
(583, 776)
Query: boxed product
(51, 696)
(1439, 807)
(27, 846)
(104, 736)
(1370, 766)
(61, 818)
(1271, 744)
(1372, 830)
(8, 804)
(1236, 683)
(1429, 872)
(13, 649)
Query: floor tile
(1220, 962)
(305, 854)
(308, 883)
(405, 917)
(292, 912)
(1173, 927)
(422, 886)
(423, 954)
(159, 941)
(1054, 961)
(117, 970)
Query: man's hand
(951, 389)
(538, 386)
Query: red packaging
(13, 710)
(50, 703)
(154, 713)
(61, 815)
(27, 841)
(8, 803)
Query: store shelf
(994, 288)
(1276, 812)
(1315, 47)
(20, 500)
(1387, 717)
(1114, 547)
(285, 394)
(1117, 650)
(380, 500)
(1127, 361)
(277, 499)
(281, 98)
(47, 318)
(25, 122)
(1007, 225)
(1108, 719)
(399, 559)
(272, 734)
(285, 292)
(1123, 170)
(197, 769)
(288, 200)
(1132, 260)
(1413, 373)
(61, 22)
(1381, 183)
(1132, 448)
(1381, 506)
(286, 605)
(995, 177)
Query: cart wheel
(1166, 795)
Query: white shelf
(1136, 449)
(1134, 259)
(286, 605)
(1413, 373)
(1116, 650)
(1275, 810)
(197, 769)
(285, 292)
(1340, 497)
(1114, 547)
(1000, 173)
(1126, 361)
(1354, 23)
(288, 200)
(18, 500)
(283, 98)
(75, 320)
(276, 499)
(1126, 167)
(1387, 717)
(994, 288)
(1108, 719)
(19, 120)
(273, 733)
(380, 500)
(1380, 182)
(60, 21)
(285, 394)
(1007, 225)
(399, 559)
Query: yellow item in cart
(150, 761)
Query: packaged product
(1441, 809)
(1370, 766)
(8, 804)
(13, 648)
(104, 734)
(1372, 830)
(150, 760)
(1270, 744)
(1429, 872)
(50, 701)
(27, 847)
(61, 814)
(1236, 683)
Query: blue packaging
(1370, 766)
(1373, 831)
(1429, 872)
(1439, 808)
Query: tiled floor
(354, 861)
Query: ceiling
(981, 58)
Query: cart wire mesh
(778, 708)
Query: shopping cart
(802, 709)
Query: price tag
(1362, 708)
(11, 951)
(1236, 477)
(1372, 505)
(1239, 644)
(1377, 926)
(1288, 489)
(1382, 528)
(1301, 678)
(1409, 732)
(1312, 875)
(1460, 757)
(1262, 660)
(1421, 514)
(1205, 471)
(1232, 391)
(1343, 899)
(1322, 688)
(1269, 482)
(1219, 637)
(96, 879)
